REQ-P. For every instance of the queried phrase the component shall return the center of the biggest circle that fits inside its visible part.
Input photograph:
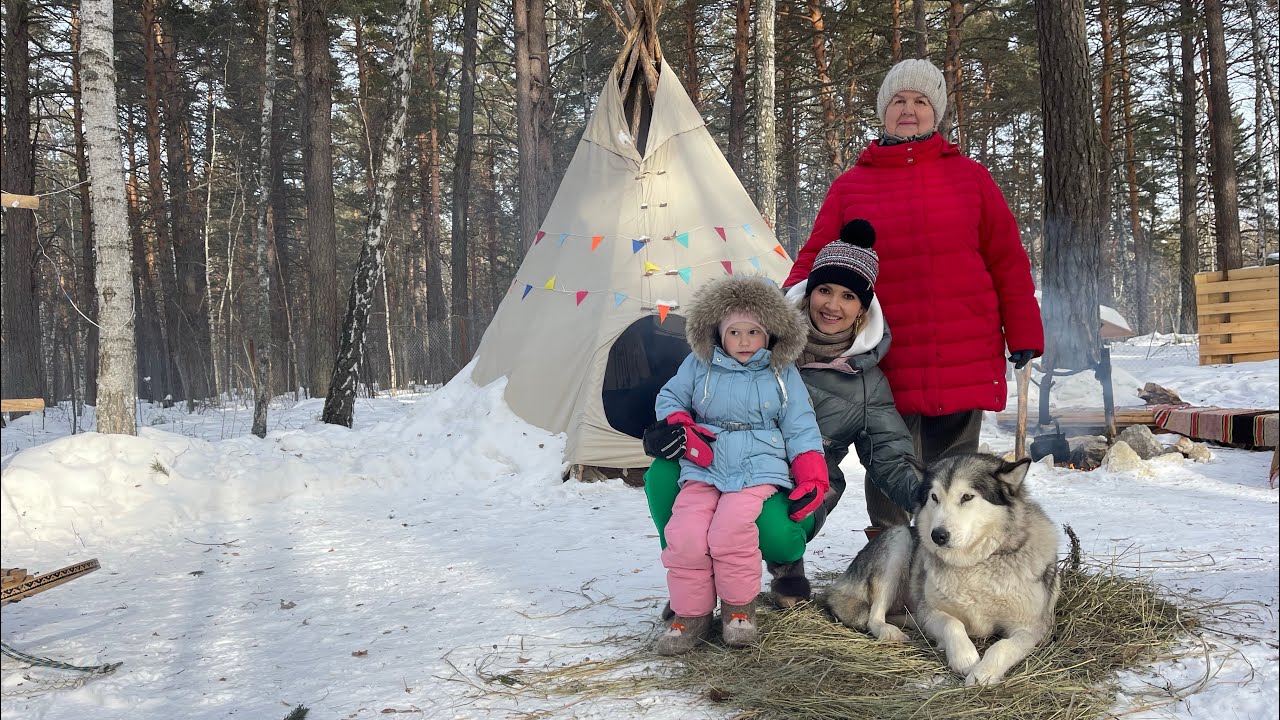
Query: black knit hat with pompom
(849, 261)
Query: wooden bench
(27, 405)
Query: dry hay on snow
(808, 666)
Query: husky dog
(980, 561)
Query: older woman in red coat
(955, 283)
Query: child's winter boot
(683, 634)
(738, 624)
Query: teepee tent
(591, 326)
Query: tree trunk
(86, 295)
(1225, 184)
(895, 42)
(437, 310)
(460, 289)
(954, 76)
(1071, 164)
(117, 382)
(921, 28)
(1264, 87)
(258, 290)
(21, 332)
(766, 133)
(826, 94)
(692, 31)
(316, 84)
(533, 115)
(340, 403)
(788, 227)
(1106, 289)
(738, 89)
(1141, 248)
(1188, 240)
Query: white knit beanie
(921, 76)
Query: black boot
(789, 587)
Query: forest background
(250, 176)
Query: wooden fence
(1239, 315)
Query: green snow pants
(782, 539)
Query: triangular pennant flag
(524, 294)
(618, 298)
(581, 294)
(551, 284)
(778, 249)
(596, 240)
(683, 239)
(747, 227)
(721, 231)
(650, 268)
(728, 266)
(538, 238)
(755, 262)
(636, 246)
(563, 237)
(662, 312)
(685, 273)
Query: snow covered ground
(394, 566)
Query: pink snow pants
(713, 547)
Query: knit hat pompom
(858, 232)
(849, 262)
(918, 75)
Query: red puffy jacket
(955, 283)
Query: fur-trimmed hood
(787, 328)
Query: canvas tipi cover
(625, 244)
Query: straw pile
(808, 666)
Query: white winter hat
(921, 76)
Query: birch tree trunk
(1188, 245)
(1226, 204)
(1141, 248)
(460, 288)
(21, 331)
(766, 134)
(1071, 164)
(340, 403)
(117, 355)
(259, 288)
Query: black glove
(862, 445)
(667, 441)
(1020, 358)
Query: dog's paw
(983, 675)
(962, 659)
(891, 634)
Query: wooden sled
(18, 584)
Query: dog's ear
(1011, 474)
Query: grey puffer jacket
(855, 407)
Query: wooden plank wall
(1239, 315)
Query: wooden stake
(1020, 437)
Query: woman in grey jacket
(854, 408)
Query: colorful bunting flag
(595, 241)
(618, 298)
(683, 239)
(525, 294)
(636, 246)
(778, 249)
(755, 262)
(650, 268)
(722, 236)
(538, 238)
(662, 313)
(728, 266)
(563, 237)
(551, 284)
(684, 274)
(581, 295)
(747, 227)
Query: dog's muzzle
(940, 537)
